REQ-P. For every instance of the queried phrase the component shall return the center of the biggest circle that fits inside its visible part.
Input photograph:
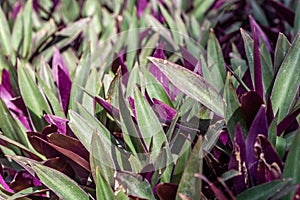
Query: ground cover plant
(149, 99)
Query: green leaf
(4, 34)
(267, 67)
(149, 124)
(55, 105)
(201, 7)
(215, 62)
(155, 89)
(196, 88)
(20, 146)
(212, 135)
(103, 189)
(27, 22)
(287, 81)
(11, 128)
(83, 126)
(101, 156)
(132, 41)
(148, 48)
(121, 196)
(18, 32)
(171, 24)
(134, 185)
(66, 6)
(189, 184)
(80, 79)
(280, 146)
(92, 87)
(272, 132)
(66, 36)
(158, 27)
(45, 73)
(27, 192)
(263, 191)
(230, 174)
(297, 19)
(282, 47)
(131, 134)
(233, 111)
(59, 183)
(248, 43)
(292, 163)
(34, 100)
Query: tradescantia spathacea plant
(149, 99)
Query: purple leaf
(248, 81)
(60, 164)
(35, 5)
(124, 69)
(16, 107)
(69, 143)
(108, 107)
(283, 11)
(68, 153)
(131, 103)
(238, 161)
(217, 4)
(269, 163)
(159, 53)
(260, 33)
(4, 184)
(6, 82)
(6, 97)
(141, 7)
(259, 126)
(189, 60)
(59, 122)
(258, 84)
(166, 191)
(23, 180)
(16, 9)
(219, 194)
(35, 140)
(62, 79)
(164, 111)
(143, 34)
(287, 121)
(153, 69)
(251, 102)
(55, 3)
(158, 15)
(147, 172)
(120, 63)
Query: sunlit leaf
(59, 183)
(287, 81)
(189, 184)
(197, 88)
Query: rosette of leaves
(85, 115)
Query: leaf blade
(287, 81)
(197, 88)
(59, 183)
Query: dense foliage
(149, 99)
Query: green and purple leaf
(196, 88)
(62, 78)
